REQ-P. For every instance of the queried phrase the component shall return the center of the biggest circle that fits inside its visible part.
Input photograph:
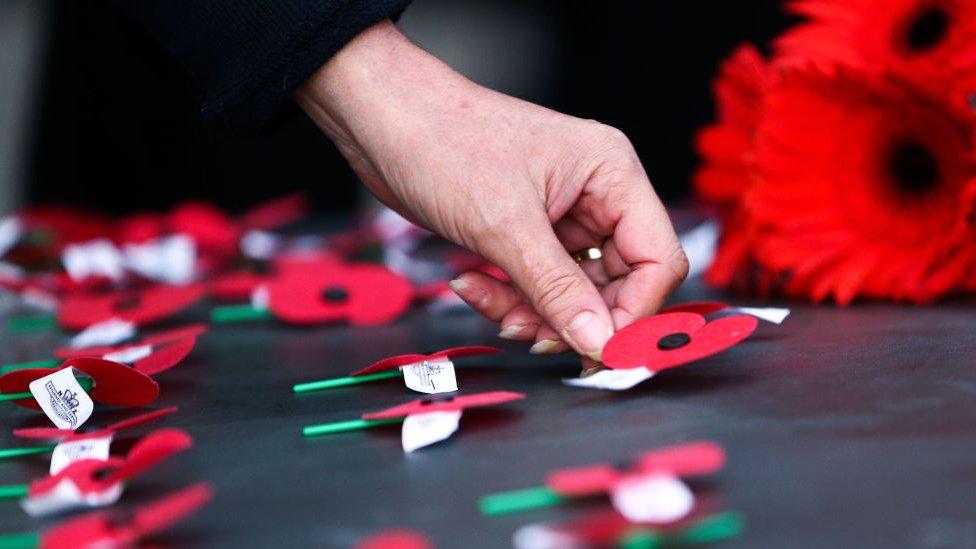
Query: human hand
(520, 184)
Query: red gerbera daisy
(728, 168)
(930, 43)
(866, 188)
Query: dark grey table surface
(847, 427)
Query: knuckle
(555, 290)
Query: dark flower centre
(128, 303)
(913, 169)
(335, 295)
(673, 341)
(927, 29)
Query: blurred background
(95, 114)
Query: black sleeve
(249, 56)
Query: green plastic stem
(50, 363)
(36, 323)
(237, 313)
(711, 529)
(85, 382)
(26, 451)
(519, 500)
(13, 491)
(343, 381)
(30, 540)
(343, 426)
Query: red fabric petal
(169, 510)
(583, 481)
(684, 460)
(448, 404)
(115, 384)
(157, 303)
(165, 357)
(637, 344)
(373, 295)
(394, 362)
(395, 539)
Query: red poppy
(93, 482)
(931, 44)
(102, 530)
(455, 403)
(394, 362)
(360, 293)
(51, 433)
(867, 189)
(139, 307)
(682, 460)
(114, 384)
(671, 339)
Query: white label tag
(421, 430)
(129, 355)
(66, 496)
(171, 259)
(108, 332)
(775, 315)
(71, 451)
(94, 258)
(655, 498)
(612, 380)
(62, 399)
(430, 376)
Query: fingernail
(589, 333)
(512, 331)
(545, 347)
(470, 293)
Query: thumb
(556, 287)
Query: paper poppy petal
(394, 362)
(140, 419)
(637, 344)
(703, 308)
(460, 402)
(583, 481)
(150, 450)
(166, 357)
(684, 460)
(47, 433)
(157, 303)
(373, 295)
(171, 509)
(89, 530)
(395, 539)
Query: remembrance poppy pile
(132, 292)
(843, 164)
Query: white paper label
(10, 231)
(109, 332)
(699, 245)
(130, 354)
(655, 498)
(430, 376)
(612, 380)
(68, 452)
(421, 430)
(94, 258)
(543, 536)
(775, 315)
(62, 399)
(66, 496)
(170, 259)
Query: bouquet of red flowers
(844, 165)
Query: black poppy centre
(673, 341)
